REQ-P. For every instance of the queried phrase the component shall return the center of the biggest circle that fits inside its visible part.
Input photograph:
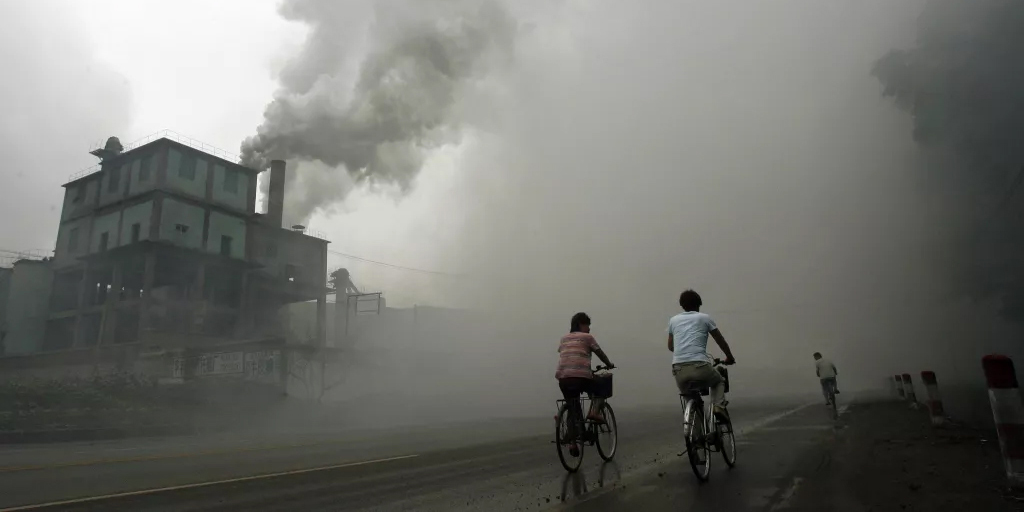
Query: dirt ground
(888, 457)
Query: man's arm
(835, 370)
(722, 344)
(671, 345)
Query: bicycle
(698, 422)
(573, 428)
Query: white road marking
(767, 420)
(201, 484)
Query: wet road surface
(499, 465)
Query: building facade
(162, 247)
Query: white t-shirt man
(689, 331)
(826, 370)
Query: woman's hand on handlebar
(726, 362)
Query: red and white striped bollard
(908, 389)
(931, 386)
(1008, 412)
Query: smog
(621, 154)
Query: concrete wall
(226, 225)
(176, 212)
(144, 173)
(104, 224)
(180, 178)
(276, 249)
(140, 214)
(28, 306)
(114, 184)
(64, 254)
(230, 191)
(80, 198)
(5, 288)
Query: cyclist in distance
(827, 372)
(574, 374)
(688, 341)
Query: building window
(136, 231)
(231, 181)
(146, 168)
(181, 228)
(271, 250)
(114, 181)
(188, 167)
(73, 240)
(225, 245)
(104, 240)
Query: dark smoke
(375, 118)
(963, 84)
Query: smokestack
(275, 198)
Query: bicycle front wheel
(607, 434)
(570, 450)
(697, 448)
(727, 441)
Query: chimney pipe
(275, 199)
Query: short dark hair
(817, 354)
(690, 301)
(577, 320)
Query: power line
(394, 266)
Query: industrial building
(160, 251)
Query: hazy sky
(626, 151)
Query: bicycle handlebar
(599, 368)
(718, 362)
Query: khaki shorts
(696, 375)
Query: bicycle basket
(602, 387)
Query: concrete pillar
(76, 339)
(108, 324)
(196, 302)
(146, 304)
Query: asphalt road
(494, 466)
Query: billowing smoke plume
(374, 118)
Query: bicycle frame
(689, 404)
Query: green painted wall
(187, 172)
(226, 225)
(189, 216)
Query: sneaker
(596, 418)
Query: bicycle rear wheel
(607, 434)
(564, 441)
(727, 441)
(697, 448)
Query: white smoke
(373, 118)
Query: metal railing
(162, 134)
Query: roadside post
(931, 386)
(908, 389)
(1008, 412)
